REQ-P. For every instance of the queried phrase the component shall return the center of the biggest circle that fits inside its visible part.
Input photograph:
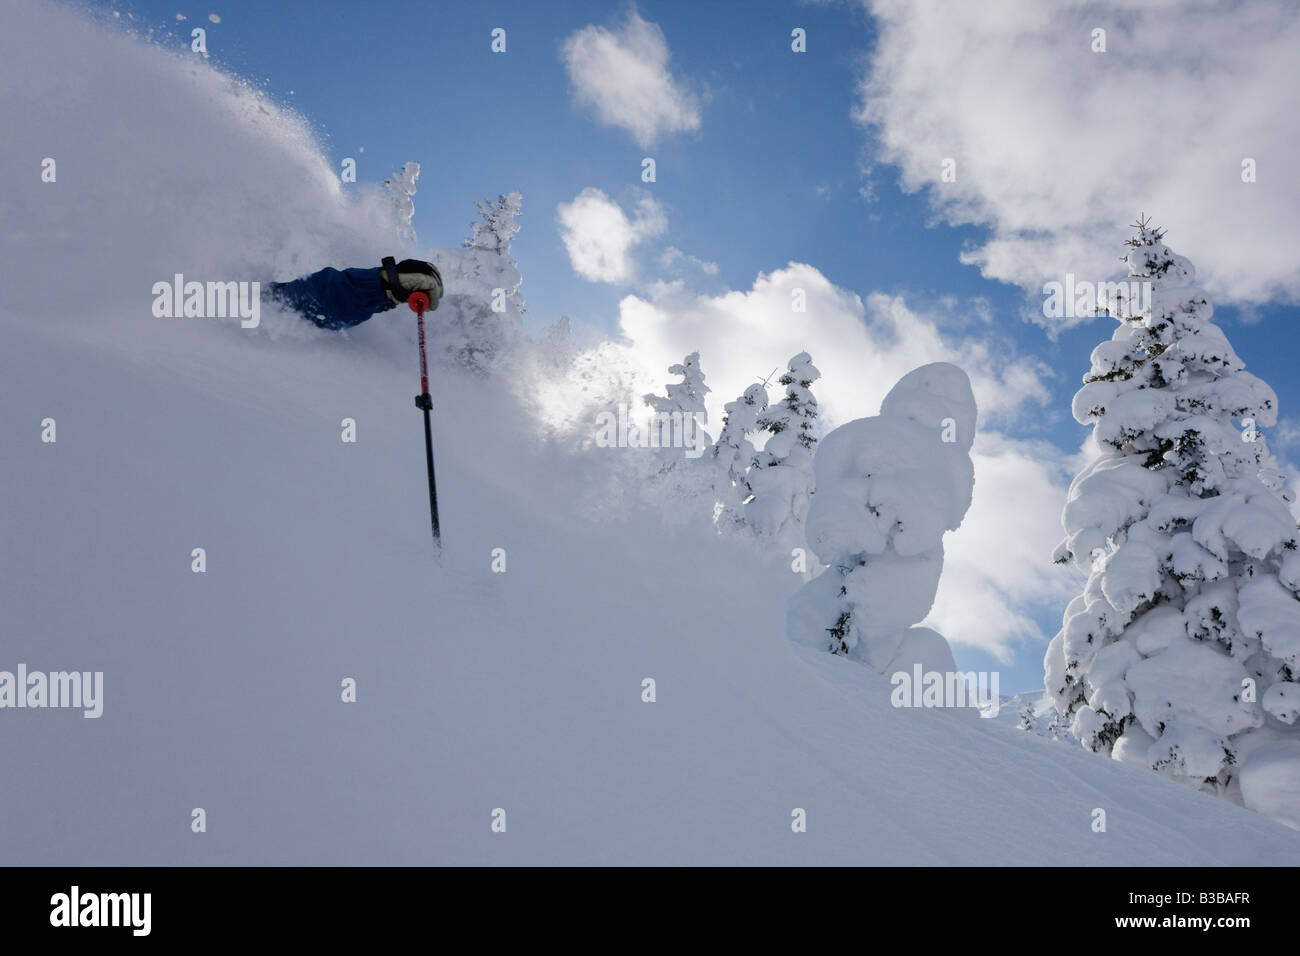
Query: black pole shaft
(433, 487)
(425, 402)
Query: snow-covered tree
(732, 455)
(479, 319)
(781, 476)
(681, 479)
(1182, 654)
(685, 399)
(888, 487)
(498, 226)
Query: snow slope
(475, 690)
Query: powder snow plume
(164, 164)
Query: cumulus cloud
(998, 572)
(623, 76)
(862, 347)
(1058, 148)
(600, 236)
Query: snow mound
(1270, 782)
(888, 488)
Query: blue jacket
(333, 298)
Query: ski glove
(415, 275)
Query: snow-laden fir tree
(479, 319)
(732, 455)
(685, 403)
(888, 488)
(498, 225)
(781, 476)
(1182, 654)
(681, 479)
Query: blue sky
(774, 172)
(742, 192)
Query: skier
(339, 299)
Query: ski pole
(418, 302)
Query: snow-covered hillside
(476, 691)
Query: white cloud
(999, 569)
(673, 257)
(623, 75)
(1058, 148)
(997, 566)
(1285, 436)
(600, 236)
(862, 348)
